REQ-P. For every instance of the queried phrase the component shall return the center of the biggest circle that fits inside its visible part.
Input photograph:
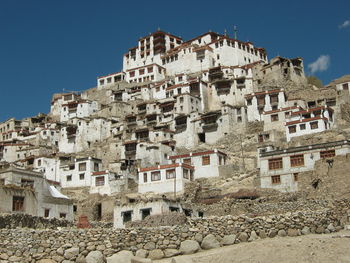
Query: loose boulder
(210, 242)
(94, 257)
(189, 247)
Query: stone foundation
(73, 244)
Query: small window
(206, 160)
(292, 129)
(274, 117)
(96, 167)
(18, 203)
(170, 174)
(63, 215)
(187, 161)
(276, 179)
(297, 160)
(346, 86)
(145, 177)
(127, 216)
(327, 154)
(69, 178)
(186, 174)
(82, 167)
(81, 176)
(295, 177)
(302, 126)
(314, 125)
(46, 212)
(155, 176)
(100, 181)
(275, 164)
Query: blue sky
(49, 46)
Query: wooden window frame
(276, 179)
(327, 154)
(18, 203)
(155, 175)
(100, 181)
(297, 160)
(206, 160)
(275, 163)
(170, 173)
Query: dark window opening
(174, 209)
(46, 212)
(187, 212)
(145, 212)
(127, 215)
(201, 137)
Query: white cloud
(321, 64)
(345, 24)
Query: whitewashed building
(280, 169)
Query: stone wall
(26, 245)
(23, 220)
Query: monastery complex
(203, 117)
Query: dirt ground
(333, 247)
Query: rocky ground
(310, 248)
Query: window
(82, 167)
(27, 183)
(206, 160)
(145, 177)
(297, 160)
(46, 212)
(127, 216)
(96, 168)
(2, 181)
(145, 212)
(346, 86)
(292, 129)
(187, 161)
(63, 215)
(327, 154)
(295, 177)
(100, 180)
(69, 178)
(170, 174)
(132, 74)
(249, 102)
(302, 126)
(314, 125)
(185, 174)
(276, 179)
(18, 203)
(141, 71)
(274, 117)
(275, 164)
(81, 176)
(155, 176)
(150, 69)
